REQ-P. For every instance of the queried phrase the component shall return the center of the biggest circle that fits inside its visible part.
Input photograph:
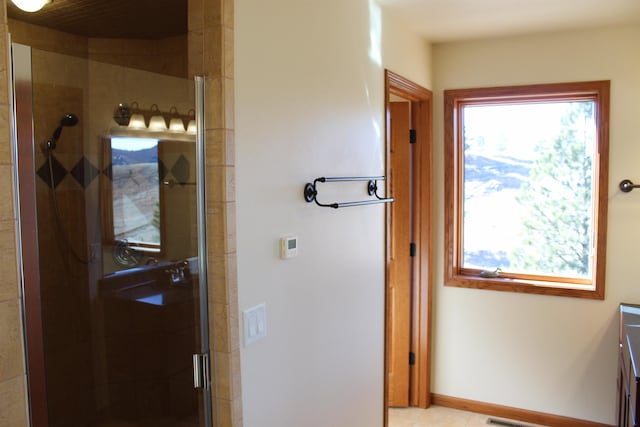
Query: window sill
(525, 286)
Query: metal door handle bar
(201, 372)
(311, 191)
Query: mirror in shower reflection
(111, 246)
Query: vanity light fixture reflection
(153, 120)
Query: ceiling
(437, 20)
(130, 19)
(449, 20)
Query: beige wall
(550, 354)
(309, 103)
(405, 52)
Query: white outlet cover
(255, 323)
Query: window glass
(136, 191)
(528, 189)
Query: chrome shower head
(68, 120)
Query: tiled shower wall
(211, 55)
(210, 43)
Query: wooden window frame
(454, 100)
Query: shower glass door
(111, 220)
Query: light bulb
(191, 127)
(176, 125)
(30, 5)
(137, 122)
(157, 123)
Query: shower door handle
(201, 373)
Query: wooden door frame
(421, 117)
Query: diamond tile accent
(181, 169)
(84, 172)
(163, 170)
(108, 172)
(59, 172)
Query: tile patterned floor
(438, 416)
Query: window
(526, 188)
(132, 195)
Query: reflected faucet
(178, 273)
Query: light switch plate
(255, 323)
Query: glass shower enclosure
(111, 218)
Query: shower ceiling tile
(112, 19)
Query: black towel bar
(311, 192)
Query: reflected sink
(151, 284)
(154, 294)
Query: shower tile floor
(438, 416)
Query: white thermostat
(288, 247)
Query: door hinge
(201, 372)
(412, 249)
(412, 358)
(413, 136)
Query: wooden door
(399, 280)
(415, 317)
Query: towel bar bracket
(372, 188)
(626, 185)
(310, 192)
